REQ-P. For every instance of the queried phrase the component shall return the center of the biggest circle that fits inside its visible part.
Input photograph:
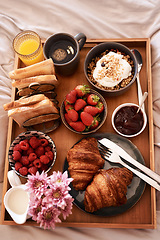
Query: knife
(122, 153)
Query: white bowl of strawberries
(83, 110)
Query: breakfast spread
(108, 188)
(83, 110)
(111, 69)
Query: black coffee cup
(64, 49)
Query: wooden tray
(143, 214)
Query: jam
(127, 121)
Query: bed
(98, 20)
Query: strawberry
(100, 107)
(73, 115)
(91, 110)
(68, 107)
(68, 120)
(92, 99)
(78, 126)
(82, 90)
(79, 104)
(95, 124)
(86, 118)
(71, 97)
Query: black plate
(135, 189)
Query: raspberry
(44, 159)
(30, 165)
(23, 171)
(47, 149)
(44, 167)
(24, 160)
(32, 157)
(49, 154)
(37, 163)
(32, 170)
(24, 145)
(16, 155)
(44, 142)
(30, 150)
(17, 166)
(34, 142)
(39, 151)
(17, 148)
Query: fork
(113, 157)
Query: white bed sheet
(97, 19)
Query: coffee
(62, 51)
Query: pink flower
(68, 208)
(35, 208)
(37, 184)
(48, 217)
(49, 197)
(61, 179)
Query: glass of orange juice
(28, 46)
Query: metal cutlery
(140, 62)
(113, 157)
(122, 153)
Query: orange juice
(28, 46)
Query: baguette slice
(42, 79)
(42, 68)
(27, 91)
(24, 101)
(41, 119)
(22, 114)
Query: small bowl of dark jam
(127, 122)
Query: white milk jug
(16, 199)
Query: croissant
(84, 161)
(108, 188)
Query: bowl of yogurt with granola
(111, 67)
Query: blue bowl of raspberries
(30, 152)
(83, 110)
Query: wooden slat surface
(143, 214)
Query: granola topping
(111, 69)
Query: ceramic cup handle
(81, 39)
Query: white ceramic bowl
(126, 105)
